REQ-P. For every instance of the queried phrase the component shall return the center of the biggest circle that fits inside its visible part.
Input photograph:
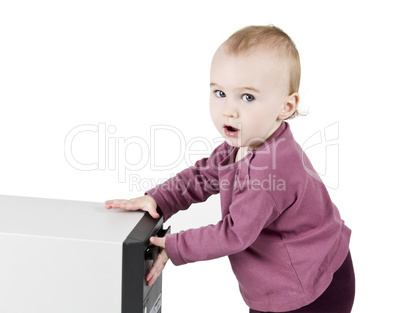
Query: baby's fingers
(144, 203)
(116, 204)
(157, 267)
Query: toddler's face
(248, 95)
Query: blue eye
(247, 97)
(220, 94)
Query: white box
(61, 256)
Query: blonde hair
(245, 39)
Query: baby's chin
(238, 144)
(234, 143)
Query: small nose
(230, 110)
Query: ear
(290, 106)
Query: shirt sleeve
(194, 184)
(249, 213)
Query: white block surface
(61, 256)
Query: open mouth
(231, 131)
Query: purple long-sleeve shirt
(282, 233)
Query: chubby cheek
(258, 126)
(215, 115)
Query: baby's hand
(144, 203)
(160, 261)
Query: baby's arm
(245, 218)
(195, 184)
(145, 203)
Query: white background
(122, 67)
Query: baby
(287, 244)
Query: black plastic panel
(136, 294)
